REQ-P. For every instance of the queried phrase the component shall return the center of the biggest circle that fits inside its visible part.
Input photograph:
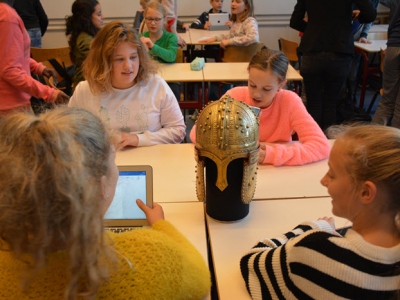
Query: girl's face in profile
(125, 66)
(340, 184)
(97, 17)
(263, 85)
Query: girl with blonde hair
(123, 87)
(58, 179)
(314, 261)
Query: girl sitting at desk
(282, 113)
(160, 44)
(244, 27)
(58, 178)
(123, 87)
(84, 23)
(313, 261)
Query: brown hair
(98, 65)
(267, 59)
(249, 12)
(50, 170)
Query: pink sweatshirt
(16, 83)
(286, 114)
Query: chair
(180, 58)
(290, 50)
(237, 54)
(62, 55)
(240, 53)
(379, 89)
(43, 54)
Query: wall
(272, 16)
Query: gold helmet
(227, 129)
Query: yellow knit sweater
(165, 266)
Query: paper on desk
(203, 39)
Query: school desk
(266, 219)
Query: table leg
(365, 75)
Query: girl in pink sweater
(282, 114)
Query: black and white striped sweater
(311, 263)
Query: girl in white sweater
(123, 87)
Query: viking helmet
(227, 129)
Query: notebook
(134, 182)
(217, 21)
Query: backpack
(65, 72)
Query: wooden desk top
(174, 174)
(375, 46)
(197, 34)
(266, 219)
(179, 72)
(237, 72)
(225, 71)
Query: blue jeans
(36, 37)
(388, 111)
(324, 74)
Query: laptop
(134, 182)
(217, 21)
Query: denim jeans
(36, 37)
(389, 107)
(324, 74)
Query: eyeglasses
(155, 20)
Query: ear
(282, 84)
(368, 192)
(103, 184)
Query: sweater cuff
(42, 67)
(323, 225)
(53, 95)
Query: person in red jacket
(17, 86)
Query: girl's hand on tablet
(152, 214)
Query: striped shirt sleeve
(314, 264)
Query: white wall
(272, 16)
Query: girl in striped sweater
(313, 261)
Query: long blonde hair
(97, 67)
(50, 192)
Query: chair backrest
(179, 56)
(43, 54)
(377, 35)
(241, 53)
(290, 49)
